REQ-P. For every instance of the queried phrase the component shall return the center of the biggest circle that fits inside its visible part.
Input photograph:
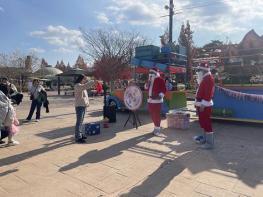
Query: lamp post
(20, 60)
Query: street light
(20, 60)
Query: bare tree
(111, 50)
(13, 66)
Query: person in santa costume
(156, 91)
(203, 104)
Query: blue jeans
(35, 104)
(80, 114)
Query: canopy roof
(72, 72)
(47, 71)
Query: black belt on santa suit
(154, 97)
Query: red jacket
(205, 91)
(99, 87)
(156, 89)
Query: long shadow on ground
(226, 157)
(96, 156)
(27, 155)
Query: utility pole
(171, 14)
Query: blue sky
(50, 28)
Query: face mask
(199, 76)
(151, 76)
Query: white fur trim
(203, 68)
(204, 103)
(197, 104)
(151, 88)
(150, 100)
(154, 71)
(207, 103)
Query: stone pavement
(128, 162)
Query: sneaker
(2, 142)
(13, 143)
(157, 132)
(37, 120)
(27, 120)
(199, 139)
(80, 141)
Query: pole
(20, 74)
(58, 85)
(171, 13)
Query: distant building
(43, 63)
(80, 63)
(238, 61)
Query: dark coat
(43, 95)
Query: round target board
(133, 97)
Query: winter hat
(204, 66)
(154, 70)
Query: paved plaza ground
(128, 162)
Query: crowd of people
(9, 98)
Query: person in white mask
(156, 91)
(203, 104)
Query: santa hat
(203, 66)
(154, 70)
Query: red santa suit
(204, 97)
(156, 91)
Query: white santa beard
(200, 76)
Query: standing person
(81, 103)
(35, 96)
(204, 105)
(5, 86)
(156, 91)
(99, 88)
(168, 84)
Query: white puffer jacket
(7, 111)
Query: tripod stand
(135, 119)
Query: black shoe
(84, 137)
(81, 141)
